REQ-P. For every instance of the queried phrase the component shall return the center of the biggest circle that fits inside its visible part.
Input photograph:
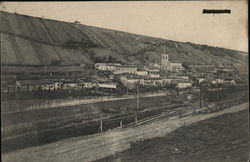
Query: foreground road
(98, 146)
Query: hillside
(27, 40)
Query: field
(105, 144)
(224, 138)
(46, 124)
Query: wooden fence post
(101, 126)
(121, 123)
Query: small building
(70, 84)
(125, 70)
(185, 77)
(142, 73)
(106, 66)
(131, 81)
(183, 85)
(153, 82)
(229, 82)
(217, 81)
(36, 85)
(107, 87)
(154, 75)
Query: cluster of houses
(129, 76)
(56, 84)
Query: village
(102, 82)
(111, 78)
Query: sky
(174, 20)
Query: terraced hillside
(27, 40)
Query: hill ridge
(34, 40)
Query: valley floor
(94, 147)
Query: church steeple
(164, 57)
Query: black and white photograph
(124, 81)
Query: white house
(129, 80)
(142, 73)
(154, 75)
(125, 69)
(106, 66)
(184, 85)
(219, 81)
(107, 85)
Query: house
(142, 73)
(154, 75)
(217, 81)
(37, 85)
(229, 82)
(154, 82)
(107, 87)
(183, 85)
(200, 80)
(156, 65)
(70, 84)
(154, 70)
(110, 85)
(106, 66)
(131, 80)
(182, 77)
(125, 69)
(86, 83)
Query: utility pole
(217, 91)
(101, 126)
(201, 95)
(45, 69)
(17, 104)
(137, 104)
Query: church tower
(165, 60)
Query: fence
(79, 129)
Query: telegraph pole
(17, 104)
(137, 104)
(45, 69)
(217, 91)
(101, 126)
(201, 97)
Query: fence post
(121, 123)
(101, 126)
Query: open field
(224, 138)
(46, 124)
(98, 146)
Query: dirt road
(98, 146)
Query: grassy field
(46, 124)
(224, 138)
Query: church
(168, 65)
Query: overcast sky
(174, 20)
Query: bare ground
(224, 138)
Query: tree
(110, 59)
